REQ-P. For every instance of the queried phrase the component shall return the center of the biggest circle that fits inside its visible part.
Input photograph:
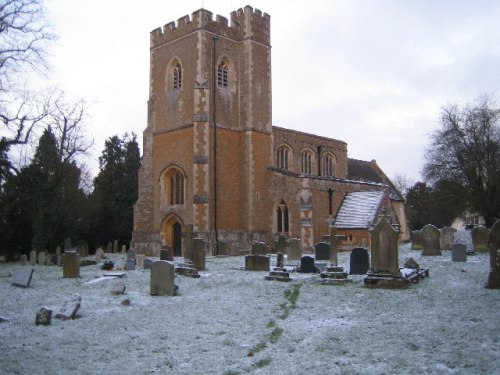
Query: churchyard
(232, 321)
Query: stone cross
(333, 245)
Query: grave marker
(257, 262)
(43, 316)
(430, 240)
(70, 307)
(41, 258)
(162, 278)
(446, 238)
(260, 248)
(139, 258)
(32, 257)
(294, 251)
(307, 265)
(71, 265)
(479, 236)
(322, 251)
(198, 253)
(22, 277)
(23, 259)
(416, 240)
(359, 261)
(459, 252)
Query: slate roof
(358, 210)
(369, 171)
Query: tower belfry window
(222, 71)
(177, 72)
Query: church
(215, 167)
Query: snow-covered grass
(231, 321)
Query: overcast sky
(371, 73)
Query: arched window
(282, 217)
(329, 165)
(282, 157)
(177, 76)
(173, 186)
(222, 74)
(306, 162)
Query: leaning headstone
(71, 265)
(22, 277)
(32, 257)
(359, 261)
(430, 240)
(41, 258)
(139, 259)
(446, 237)
(70, 308)
(118, 288)
(162, 278)
(294, 251)
(147, 263)
(494, 248)
(198, 253)
(43, 316)
(307, 265)
(322, 251)
(384, 271)
(479, 236)
(416, 240)
(412, 264)
(458, 252)
(257, 262)
(23, 259)
(260, 248)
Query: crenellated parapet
(246, 23)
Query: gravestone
(32, 257)
(479, 236)
(322, 251)
(147, 263)
(307, 265)
(23, 259)
(118, 288)
(67, 244)
(198, 253)
(41, 258)
(459, 252)
(139, 259)
(48, 259)
(70, 307)
(58, 250)
(162, 278)
(164, 253)
(416, 240)
(130, 264)
(109, 248)
(494, 249)
(22, 277)
(59, 260)
(260, 248)
(333, 275)
(115, 246)
(43, 316)
(446, 238)
(359, 261)
(280, 261)
(99, 254)
(257, 262)
(384, 271)
(71, 265)
(124, 249)
(294, 251)
(430, 240)
(332, 240)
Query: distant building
(467, 220)
(214, 166)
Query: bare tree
(466, 150)
(402, 183)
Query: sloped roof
(358, 210)
(369, 171)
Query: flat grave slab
(22, 277)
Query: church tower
(208, 140)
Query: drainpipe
(214, 85)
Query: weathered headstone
(198, 253)
(59, 260)
(322, 251)
(130, 264)
(23, 259)
(162, 278)
(430, 240)
(71, 264)
(416, 240)
(384, 271)
(294, 251)
(147, 263)
(307, 264)
(22, 277)
(139, 258)
(479, 236)
(41, 258)
(118, 288)
(359, 261)
(124, 249)
(48, 259)
(257, 262)
(459, 252)
(115, 246)
(70, 308)
(32, 257)
(446, 237)
(494, 249)
(98, 254)
(260, 248)
(43, 316)
(164, 254)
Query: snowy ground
(231, 321)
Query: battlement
(246, 23)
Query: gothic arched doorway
(171, 234)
